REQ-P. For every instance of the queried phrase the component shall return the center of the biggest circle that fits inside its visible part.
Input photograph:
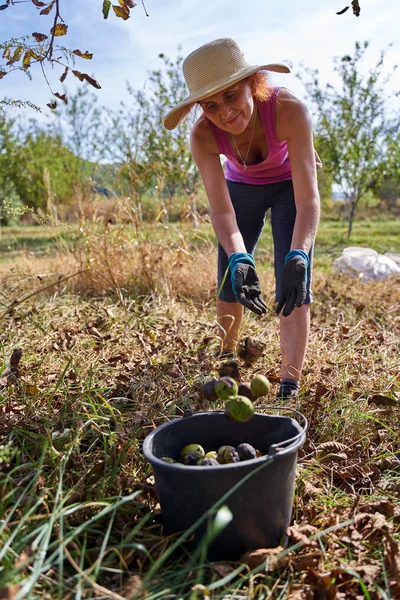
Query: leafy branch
(355, 5)
(20, 54)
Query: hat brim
(178, 114)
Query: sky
(295, 32)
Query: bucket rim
(277, 452)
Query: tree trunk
(194, 211)
(351, 217)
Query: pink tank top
(276, 167)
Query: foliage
(353, 125)
(36, 48)
(42, 48)
(151, 159)
(42, 168)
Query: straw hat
(210, 69)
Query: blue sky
(292, 31)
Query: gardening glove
(245, 282)
(294, 282)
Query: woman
(265, 134)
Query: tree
(151, 159)
(354, 127)
(42, 49)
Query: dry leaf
(255, 558)
(39, 37)
(48, 9)
(15, 358)
(133, 588)
(9, 592)
(381, 400)
(59, 30)
(87, 55)
(333, 446)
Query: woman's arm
(293, 123)
(223, 219)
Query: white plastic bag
(365, 264)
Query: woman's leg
(294, 333)
(229, 319)
(294, 329)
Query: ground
(116, 336)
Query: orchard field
(109, 331)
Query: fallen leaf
(270, 556)
(380, 400)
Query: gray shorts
(251, 203)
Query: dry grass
(123, 346)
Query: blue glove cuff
(301, 253)
(240, 257)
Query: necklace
(248, 148)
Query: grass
(117, 335)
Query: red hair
(260, 87)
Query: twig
(16, 303)
(96, 586)
(49, 52)
(147, 14)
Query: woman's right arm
(223, 219)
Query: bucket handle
(288, 444)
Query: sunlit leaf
(48, 9)
(38, 3)
(7, 53)
(16, 56)
(63, 76)
(62, 97)
(87, 55)
(59, 29)
(106, 8)
(39, 37)
(121, 11)
(52, 105)
(2, 74)
(341, 12)
(26, 61)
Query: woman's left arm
(293, 124)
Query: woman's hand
(245, 282)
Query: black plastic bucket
(261, 506)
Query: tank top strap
(267, 112)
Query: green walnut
(260, 386)
(246, 451)
(192, 458)
(192, 448)
(227, 455)
(207, 461)
(168, 459)
(212, 454)
(226, 387)
(208, 389)
(239, 409)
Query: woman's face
(232, 108)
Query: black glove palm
(294, 285)
(247, 288)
